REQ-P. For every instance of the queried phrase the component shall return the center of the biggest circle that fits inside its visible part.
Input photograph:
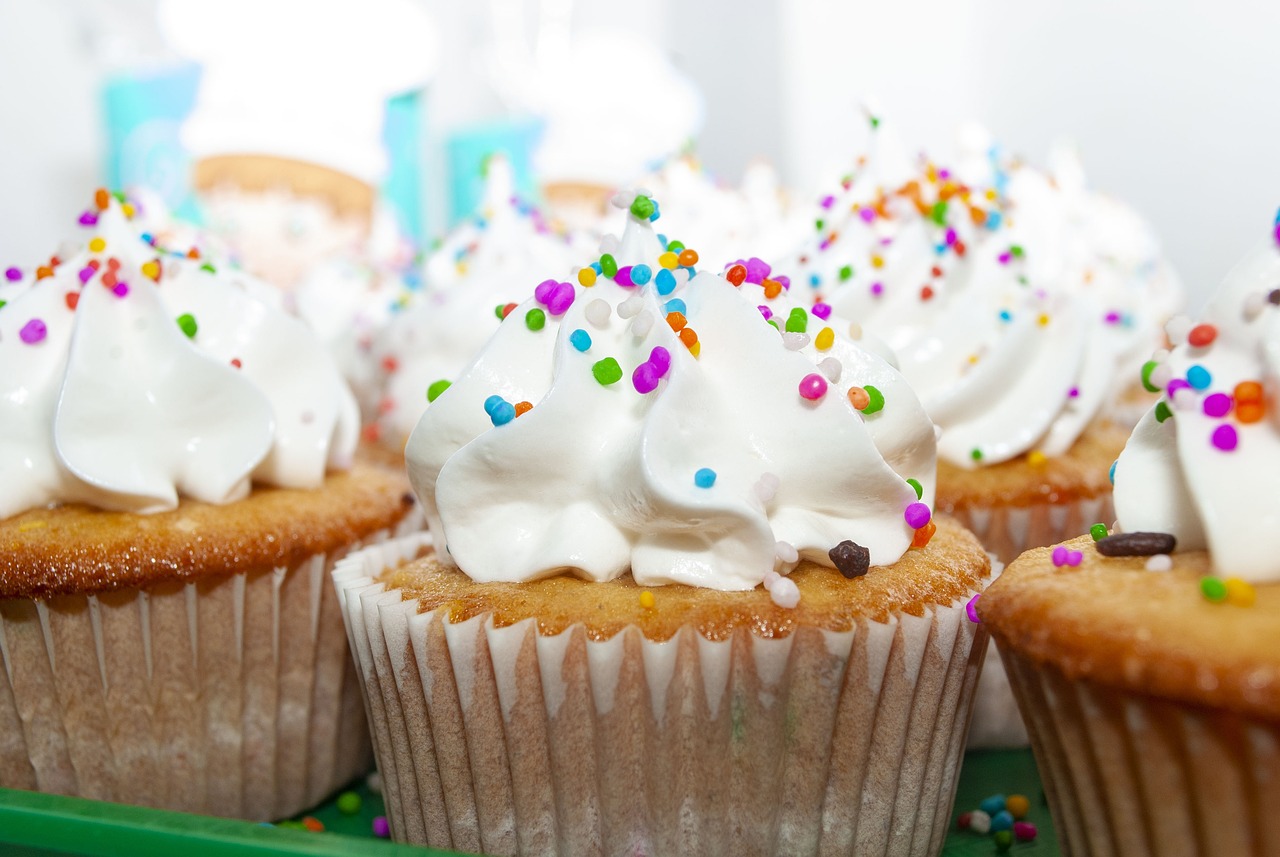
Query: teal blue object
(403, 189)
(143, 113)
(467, 149)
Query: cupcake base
(507, 740)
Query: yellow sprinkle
(128, 210)
(695, 349)
(1035, 458)
(991, 193)
(932, 174)
(462, 268)
(1043, 320)
(32, 525)
(877, 261)
(587, 277)
(973, 358)
(669, 260)
(646, 600)
(151, 269)
(97, 245)
(1240, 592)
(825, 339)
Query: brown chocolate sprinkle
(851, 559)
(1136, 544)
(408, 499)
(1274, 296)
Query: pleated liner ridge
(233, 695)
(505, 741)
(1135, 776)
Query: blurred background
(1169, 104)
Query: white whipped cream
(483, 264)
(110, 403)
(601, 479)
(1013, 302)
(1198, 472)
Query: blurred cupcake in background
(470, 283)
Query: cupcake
(683, 590)
(1147, 663)
(470, 280)
(176, 480)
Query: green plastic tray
(39, 825)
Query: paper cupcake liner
(1134, 776)
(1006, 533)
(232, 695)
(505, 741)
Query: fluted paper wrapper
(1135, 776)
(1007, 532)
(234, 695)
(504, 741)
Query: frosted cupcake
(470, 281)
(175, 480)
(651, 621)
(1147, 665)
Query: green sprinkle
(846, 273)
(1015, 250)
(877, 400)
(1213, 589)
(498, 311)
(976, 454)
(1162, 411)
(436, 388)
(187, 322)
(207, 267)
(1147, 369)
(875, 121)
(608, 265)
(1098, 531)
(772, 321)
(939, 213)
(819, 224)
(919, 488)
(120, 197)
(2, 303)
(535, 319)
(642, 207)
(675, 246)
(797, 321)
(1004, 840)
(607, 371)
(349, 803)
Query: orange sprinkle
(688, 258)
(72, 298)
(43, 271)
(772, 288)
(922, 536)
(1250, 412)
(688, 336)
(677, 321)
(193, 253)
(390, 363)
(313, 824)
(101, 198)
(523, 408)
(371, 433)
(859, 398)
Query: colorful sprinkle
(523, 408)
(645, 378)
(736, 275)
(12, 275)
(580, 339)
(665, 282)
(875, 400)
(1250, 407)
(1098, 532)
(821, 310)
(992, 804)
(917, 515)
(187, 323)
(535, 319)
(971, 610)
(1240, 592)
(813, 386)
(1063, 555)
(500, 411)
(1225, 438)
(1017, 805)
(647, 600)
(587, 277)
(608, 266)
(381, 828)
(349, 803)
(674, 305)
(436, 388)
(850, 558)
(1147, 369)
(33, 331)
(924, 535)
(1198, 377)
(797, 321)
(1202, 335)
(917, 487)
(641, 274)
(642, 207)
(1024, 831)
(1213, 589)
(704, 478)
(1217, 405)
(607, 371)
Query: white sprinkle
(786, 552)
(793, 341)
(1253, 305)
(1177, 329)
(374, 782)
(1161, 375)
(770, 577)
(766, 487)
(831, 368)
(598, 312)
(979, 821)
(1185, 399)
(855, 331)
(609, 244)
(784, 593)
(630, 307)
(643, 324)
(681, 275)
(621, 199)
(1160, 562)
(640, 191)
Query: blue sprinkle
(640, 274)
(1002, 820)
(992, 805)
(1111, 474)
(815, 280)
(993, 219)
(580, 339)
(656, 212)
(595, 266)
(662, 238)
(665, 282)
(481, 223)
(1199, 378)
(1005, 315)
(491, 403)
(503, 413)
(704, 478)
(675, 305)
(939, 249)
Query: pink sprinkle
(86, 274)
(1225, 437)
(917, 515)
(120, 289)
(826, 242)
(1024, 831)
(783, 281)
(1059, 556)
(381, 828)
(1175, 385)
(33, 331)
(623, 277)
(951, 237)
(1074, 557)
(944, 173)
(867, 214)
(1112, 317)
(1217, 405)
(971, 609)
(1004, 258)
(660, 358)
(757, 270)
(89, 218)
(813, 386)
(828, 201)
(543, 292)
(561, 299)
(12, 275)
(822, 311)
(766, 312)
(877, 289)
(645, 378)
(1073, 393)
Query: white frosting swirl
(105, 400)
(1012, 305)
(483, 264)
(601, 478)
(1201, 463)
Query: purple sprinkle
(1112, 317)
(86, 274)
(877, 289)
(828, 201)
(661, 359)
(623, 277)
(1074, 557)
(944, 174)
(1225, 437)
(867, 214)
(645, 378)
(12, 275)
(757, 270)
(784, 281)
(1059, 556)
(89, 218)
(826, 243)
(821, 310)
(381, 828)
(33, 331)
(543, 292)
(1217, 405)
(951, 237)
(917, 515)
(1004, 258)
(971, 609)
(1175, 385)
(560, 299)
(1073, 393)
(766, 312)
(121, 289)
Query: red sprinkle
(235, 361)
(72, 298)
(736, 275)
(1202, 335)
(926, 293)
(390, 363)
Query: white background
(1174, 104)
